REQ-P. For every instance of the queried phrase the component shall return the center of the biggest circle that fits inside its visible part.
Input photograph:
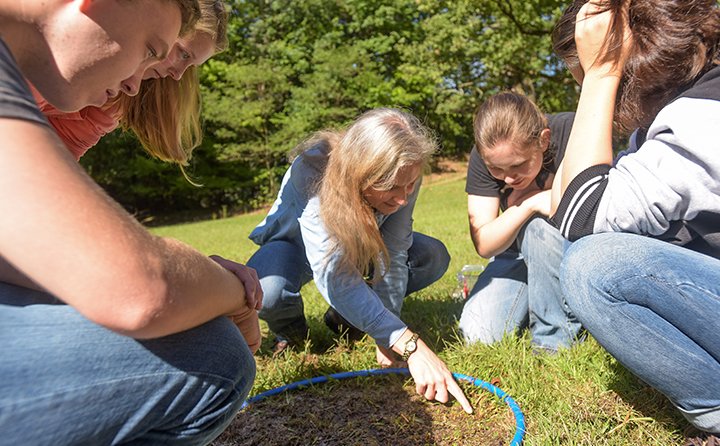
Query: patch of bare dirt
(369, 411)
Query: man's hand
(249, 326)
(246, 318)
(248, 277)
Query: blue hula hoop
(519, 417)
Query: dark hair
(674, 43)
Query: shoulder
(16, 100)
(479, 181)
(690, 123)
(560, 126)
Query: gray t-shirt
(16, 100)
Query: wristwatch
(410, 346)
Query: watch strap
(410, 346)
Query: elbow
(139, 312)
(482, 250)
(485, 253)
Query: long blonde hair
(165, 114)
(370, 152)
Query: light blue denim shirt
(295, 217)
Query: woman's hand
(538, 202)
(248, 277)
(432, 378)
(591, 39)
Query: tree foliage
(298, 66)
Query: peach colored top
(79, 130)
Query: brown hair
(674, 43)
(370, 152)
(508, 117)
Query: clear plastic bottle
(466, 278)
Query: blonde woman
(162, 107)
(343, 217)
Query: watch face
(411, 346)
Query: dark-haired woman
(648, 287)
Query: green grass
(580, 396)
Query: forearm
(197, 290)
(498, 235)
(590, 141)
(9, 274)
(64, 234)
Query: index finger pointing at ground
(457, 392)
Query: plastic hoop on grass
(519, 417)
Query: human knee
(591, 266)
(474, 331)
(433, 258)
(441, 258)
(273, 288)
(219, 348)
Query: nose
(401, 198)
(510, 180)
(131, 85)
(178, 69)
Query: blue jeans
(521, 290)
(552, 324)
(656, 308)
(498, 301)
(283, 269)
(67, 381)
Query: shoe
(703, 440)
(280, 346)
(340, 326)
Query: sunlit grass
(580, 396)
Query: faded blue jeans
(521, 290)
(283, 269)
(67, 381)
(656, 308)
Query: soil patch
(381, 410)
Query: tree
(298, 66)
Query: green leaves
(298, 66)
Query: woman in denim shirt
(343, 217)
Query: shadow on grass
(646, 400)
(434, 318)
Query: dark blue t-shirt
(481, 182)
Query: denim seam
(614, 286)
(521, 289)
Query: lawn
(580, 396)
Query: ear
(545, 139)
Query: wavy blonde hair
(368, 153)
(165, 114)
